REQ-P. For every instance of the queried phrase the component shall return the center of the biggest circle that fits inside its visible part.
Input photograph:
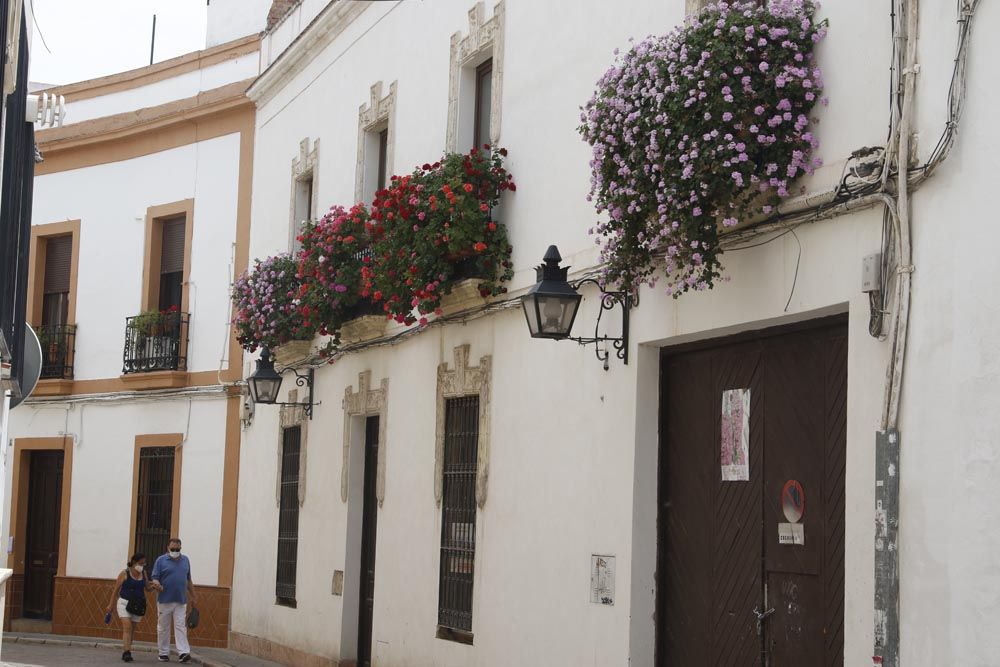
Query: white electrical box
(871, 273)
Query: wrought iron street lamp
(550, 307)
(265, 383)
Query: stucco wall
(101, 492)
(111, 200)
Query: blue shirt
(173, 574)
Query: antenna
(152, 42)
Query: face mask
(138, 568)
(175, 553)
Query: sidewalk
(32, 649)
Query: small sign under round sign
(793, 501)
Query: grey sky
(92, 38)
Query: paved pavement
(23, 650)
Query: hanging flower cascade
(334, 267)
(434, 222)
(705, 126)
(266, 301)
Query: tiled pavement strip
(36, 650)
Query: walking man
(172, 578)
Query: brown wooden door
(369, 521)
(720, 560)
(42, 546)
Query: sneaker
(127, 656)
(164, 658)
(185, 657)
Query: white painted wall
(231, 19)
(102, 494)
(178, 87)
(110, 200)
(572, 467)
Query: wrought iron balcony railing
(58, 350)
(160, 346)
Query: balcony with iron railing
(58, 343)
(158, 345)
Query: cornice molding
(327, 25)
(118, 126)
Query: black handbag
(194, 616)
(136, 607)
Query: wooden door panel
(42, 546)
(719, 554)
(369, 521)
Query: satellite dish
(31, 366)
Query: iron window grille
(58, 349)
(288, 517)
(159, 348)
(155, 501)
(458, 525)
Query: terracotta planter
(292, 352)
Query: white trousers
(172, 613)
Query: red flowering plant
(266, 300)
(334, 269)
(435, 224)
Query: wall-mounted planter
(364, 328)
(463, 296)
(292, 352)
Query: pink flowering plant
(266, 301)
(334, 269)
(700, 129)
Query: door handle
(761, 617)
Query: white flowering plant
(698, 130)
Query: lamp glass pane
(556, 313)
(266, 389)
(531, 313)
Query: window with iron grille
(155, 501)
(288, 517)
(458, 525)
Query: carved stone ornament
(379, 110)
(365, 402)
(288, 417)
(305, 167)
(483, 36)
(464, 380)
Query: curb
(76, 643)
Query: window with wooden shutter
(58, 262)
(458, 525)
(172, 263)
(288, 517)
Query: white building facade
(141, 218)
(588, 478)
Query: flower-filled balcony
(156, 341)
(58, 342)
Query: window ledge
(453, 635)
(156, 380)
(53, 387)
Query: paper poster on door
(735, 435)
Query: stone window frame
(378, 111)
(305, 167)
(483, 36)
(290, 416)
(365, 402)
(464, 380)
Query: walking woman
(128, 598)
